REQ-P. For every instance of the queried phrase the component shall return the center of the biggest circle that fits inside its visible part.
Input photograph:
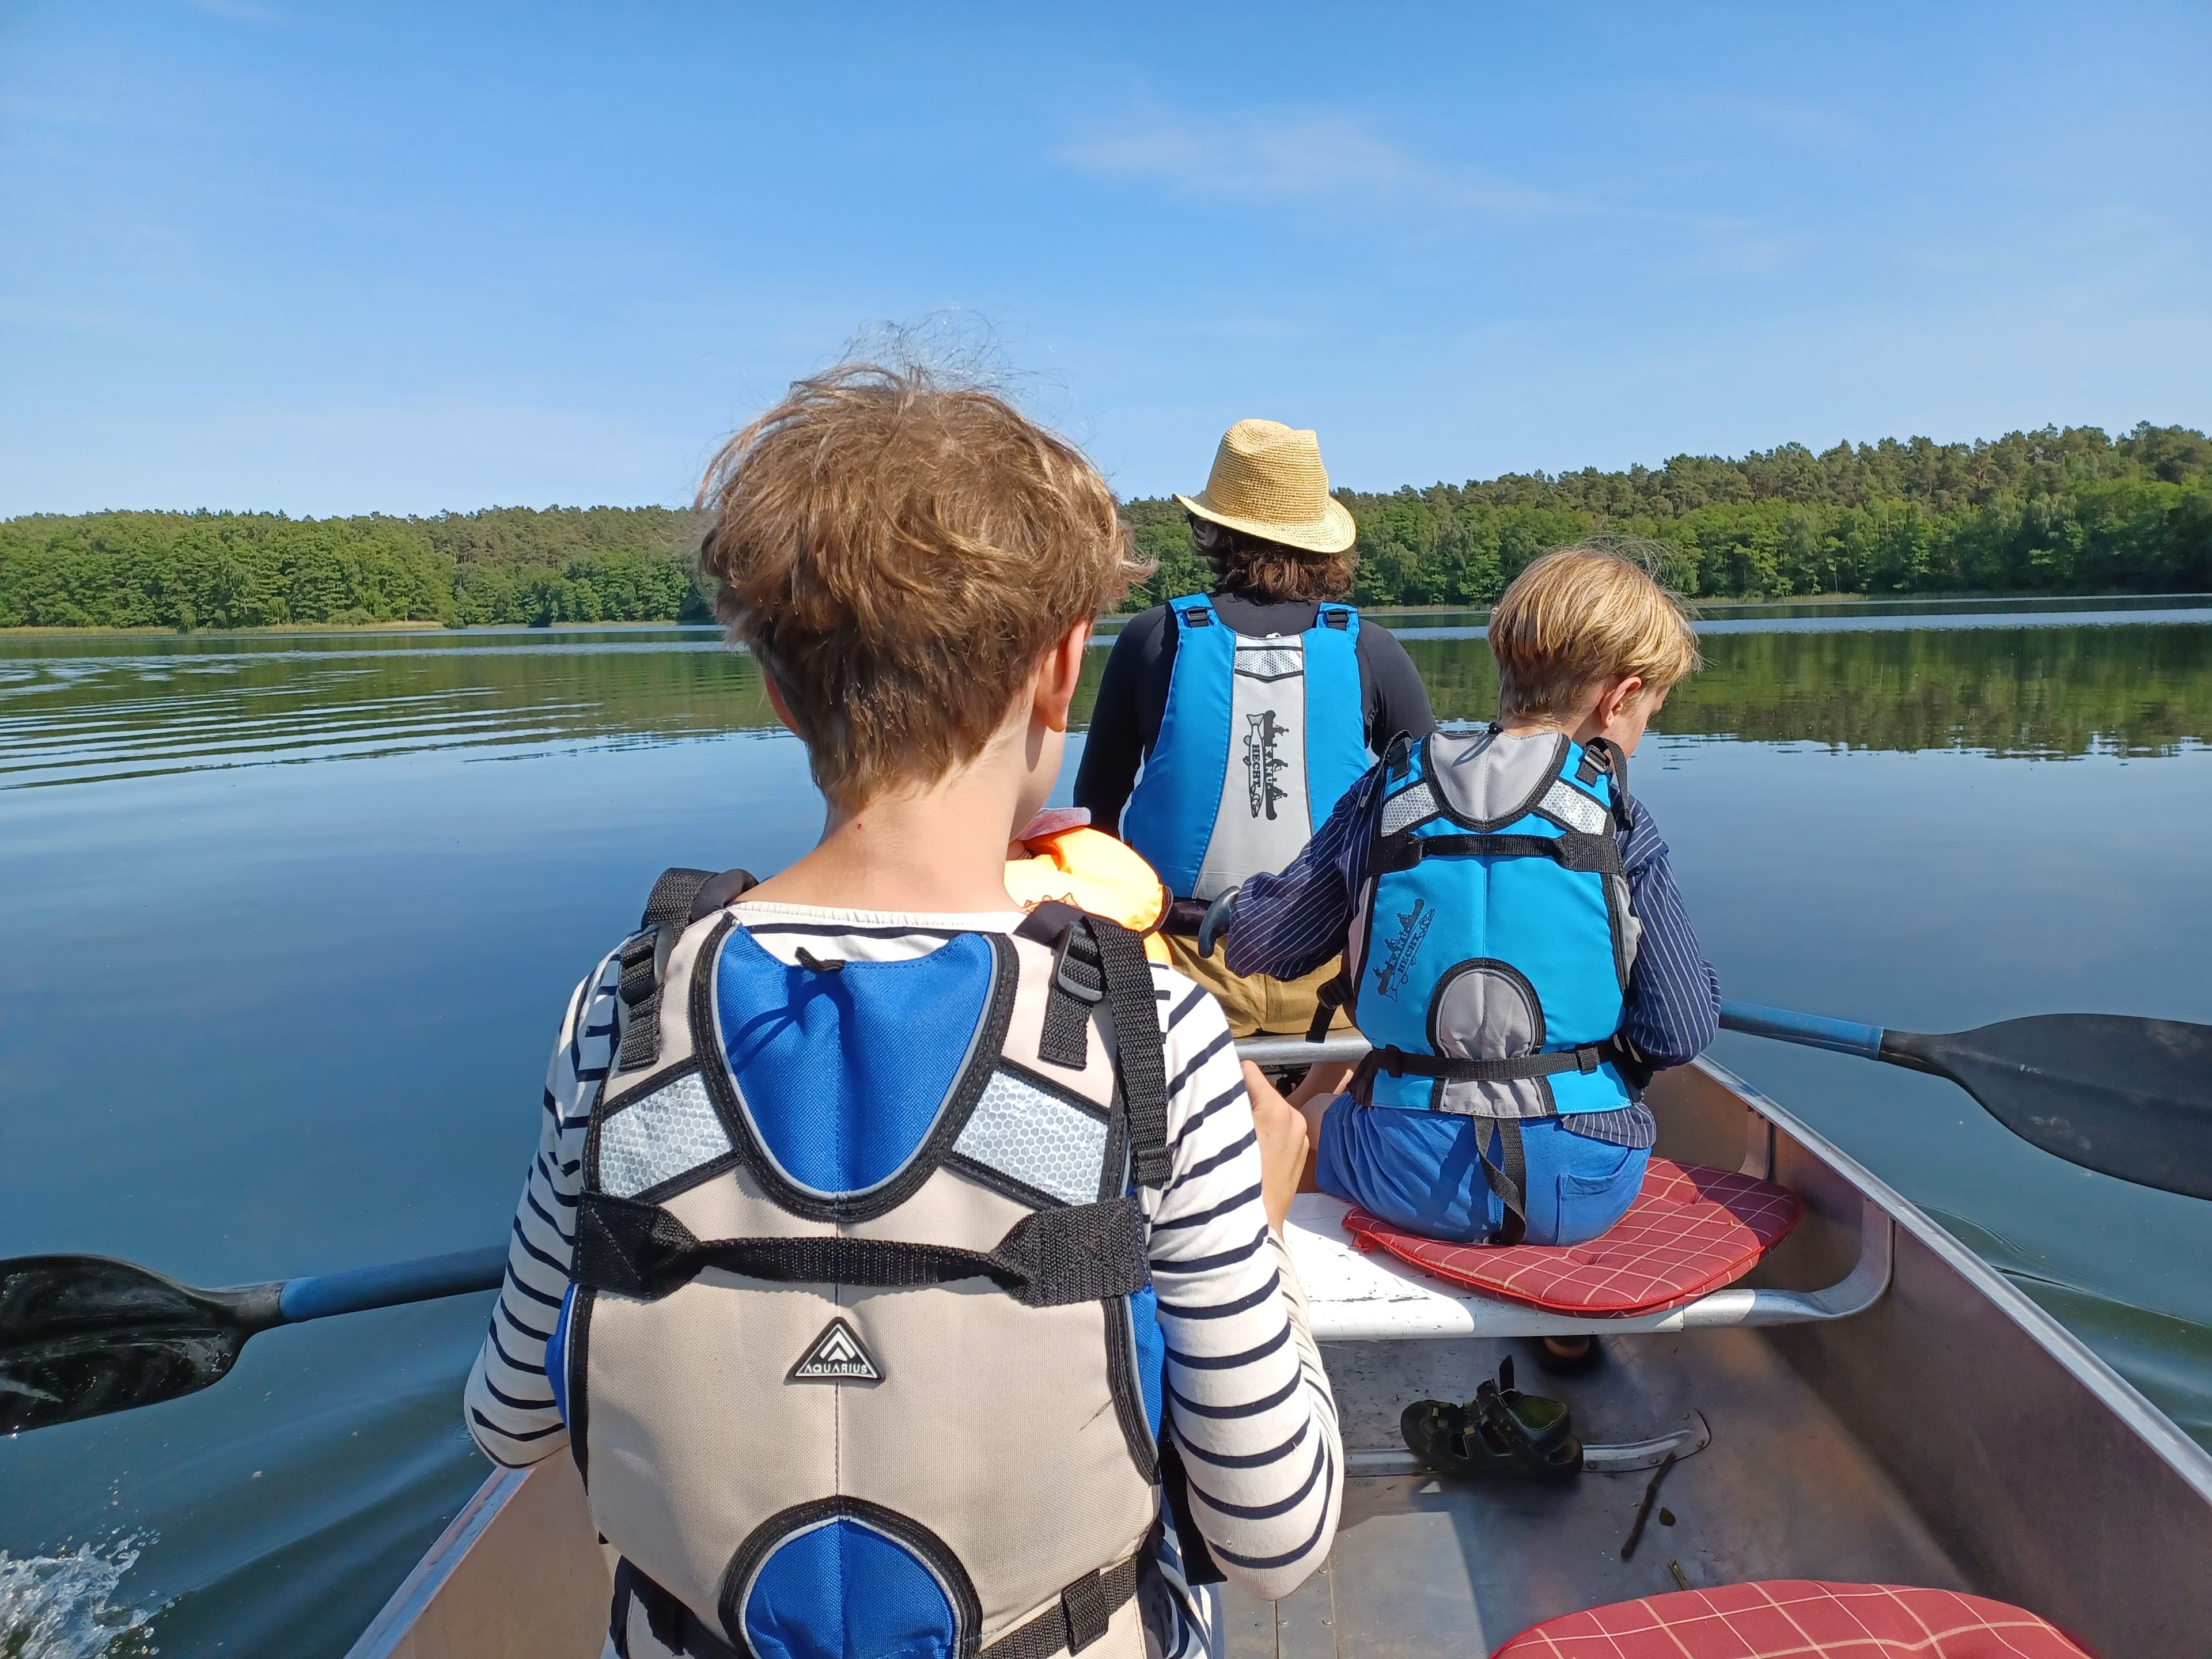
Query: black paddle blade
(82, 1336)
(2129, 1098)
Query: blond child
(1516, 947)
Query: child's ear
(1060, 672)
(1619, 702)
(775, 702)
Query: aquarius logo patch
(1262, 762)
(1400, 952)
(836, 1356)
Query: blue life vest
(1261, 739)
(1493, 934)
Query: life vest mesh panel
(659, 1136)
(1799, 1619)
(1410, 806)
(1031, 1135)
(1691, 1229)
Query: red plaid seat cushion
(1800, 1619)
(1692, 1229)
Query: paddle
(83, 1335)
(2126, 1097)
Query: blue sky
(325, 259)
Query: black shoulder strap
(1199, 1566)
(1098, 961)
(679, 898)
(1078, 983)
(1136, 1010)
(1603, 754)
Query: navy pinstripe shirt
(1288, 925)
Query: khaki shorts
(1255, 1004)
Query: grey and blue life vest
(1493, 936)
(860, 1356)
(1261, 739)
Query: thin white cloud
(1290, 156)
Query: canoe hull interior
(1952, 1435)
(519, 1574)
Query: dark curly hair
(1262, 569)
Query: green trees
(2047, 512)
(2069, 511)
(192, 570)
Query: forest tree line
(2070, 511)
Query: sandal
(1488, 1439)
(1543, 1422)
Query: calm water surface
(291, 920)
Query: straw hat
(1267, 481)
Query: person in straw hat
(1250, 712)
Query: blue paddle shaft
(1845, 1037)
(320, 1296)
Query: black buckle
(639, 980)
(1398, 756)
(1093, 994)
(1588, 1061)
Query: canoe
(1871, 1403)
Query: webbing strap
(1603, 754)
(1573, 850)
(1400, 1063)
(1199, 1566)
(1334, 992)
(1078, 985)
(680, 897)
(1086, 1608)
(1080, 1252)
(642, 961)
(1136, 1011)
(1510, 1182)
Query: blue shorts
(1418, 1170)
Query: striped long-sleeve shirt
(1288, 925)
(1246, 1398)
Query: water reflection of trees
(2135, 690)
(82, 709)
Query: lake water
(290, 920)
